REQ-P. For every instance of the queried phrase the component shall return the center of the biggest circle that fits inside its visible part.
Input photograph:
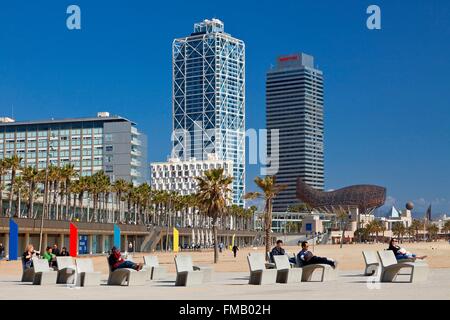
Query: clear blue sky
(387, 93)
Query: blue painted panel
(13, 240)
(117, 236)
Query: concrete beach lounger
(66, 270)
(259, 275)
(372, 263)
(187, 275)
(126, 277)
(286, 274)
(156, 271)
(43, 274)
(86, 276)
(27, 273)
(390, 268)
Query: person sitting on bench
(117, 262)
(28, 255)
(50, 257)
(401, 253)
(306, 257)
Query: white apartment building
(179, 175)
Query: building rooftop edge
(65, 120)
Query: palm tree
(31, 178)
(3, 172)
(433, 230)
(120, 187)
(446, 228)
(342, 217)
(410, 231)
(13, 164)
(19, 190)
(398, 229)
(68, 173)
(270, 189)
(213, 194)
(417, 225)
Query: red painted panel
(73, 240)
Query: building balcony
(136, 153)
(136, 142)
(135, 163)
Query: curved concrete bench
(43, 274)
(157, 272)
(372, 263)
(186, 274)
(259, 275)
(286, 274)
(87, 277)
(391, 268)
(66, 270)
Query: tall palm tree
(13, 164)
(270, 189)
(31, 178)
(68, 174)
(213, 194)
(120, 187)
(19, 190)
(3, 172)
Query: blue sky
(387, 92)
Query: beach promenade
(231, 278)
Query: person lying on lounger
(401, 253)
(306, 257)
(116, 261)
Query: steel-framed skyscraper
(294, 102)
(209, 99)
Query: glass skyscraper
(209, 99)
(294, 102)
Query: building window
(108, 148)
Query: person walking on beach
(235, 249)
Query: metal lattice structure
(364, 197)
(209, 99)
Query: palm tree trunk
(268, 225)
(216, 248)
(31, 200)
(11, 192)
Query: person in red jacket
(117, 262)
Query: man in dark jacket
(277, 250)
(55, 250)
